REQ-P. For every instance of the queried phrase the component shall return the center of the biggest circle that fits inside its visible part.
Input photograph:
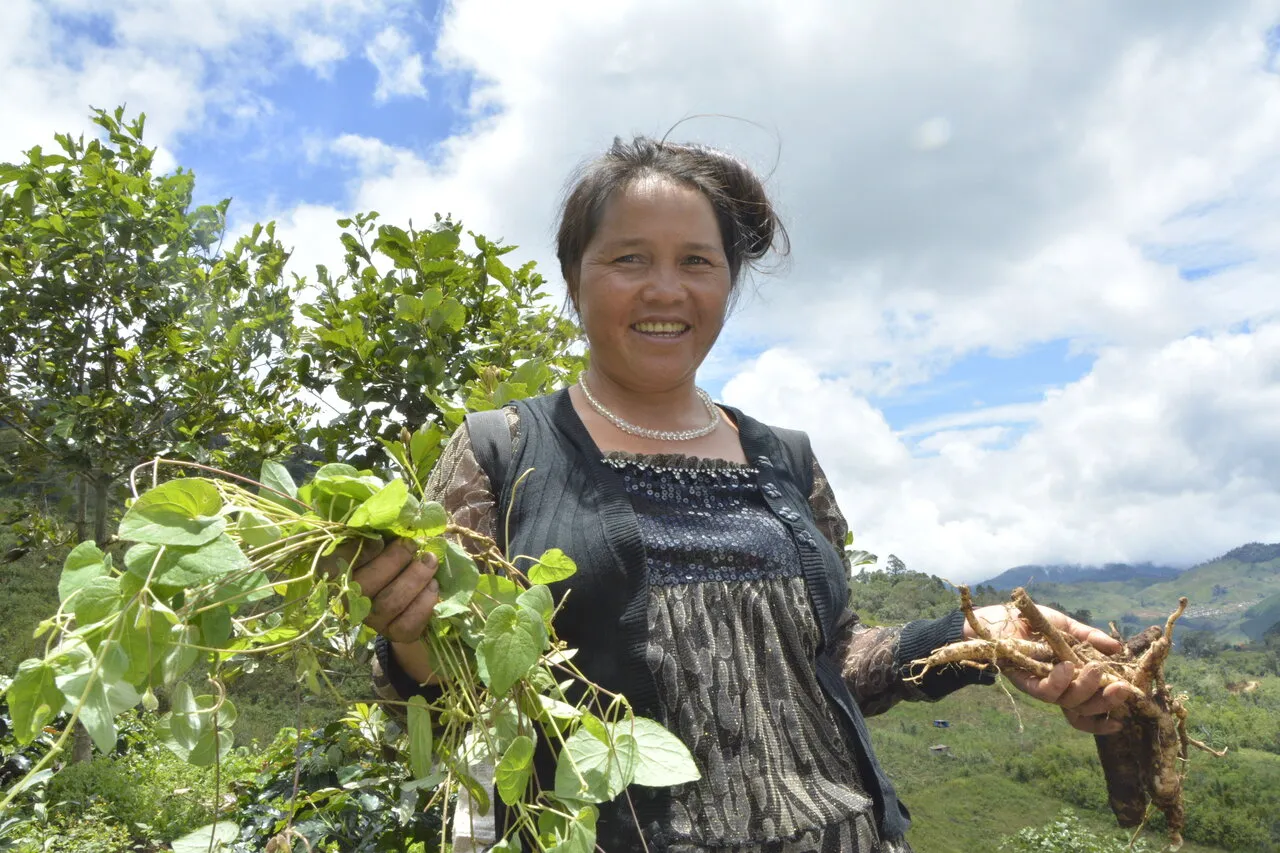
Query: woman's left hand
(1080, 695)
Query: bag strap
(799, 452)
(491, 443)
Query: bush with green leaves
(342, 786)
(221, 569)
(1065, 834)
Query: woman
(711, 586)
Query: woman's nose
(665, 283)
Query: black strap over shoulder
(795, 443)
(491, 443)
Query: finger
(1046, 689)
(373, 575)
(353, 552)
(400, 593)
(1094, 724)
(411, 624)
(1082, 688)
(1100, 640)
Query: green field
(1013, 763)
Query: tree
(416, 331)
(129, 331)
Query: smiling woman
(711, 588)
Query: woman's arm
(461, 486)
(875, 661)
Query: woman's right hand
(403, 588)
(401, 583)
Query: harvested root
(1145, 762)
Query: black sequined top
(732, 637)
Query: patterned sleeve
(462, 487)
(867, 656)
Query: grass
(995, 778)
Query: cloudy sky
(1032, 313)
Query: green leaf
(590, 771)
(498, 270)
(85, 563)
(422, 442)
(256, 530)
(104, 699)
(277, 478)
(180, 657)
(457, 576)
(145, 636)
(179, 512)
(495, 590)
(428, 519)
(187, 567)
(451, 314)
(511, 776)
(215, 626)
(538, 599)
(581, 834)
(383, 508)
(214, 837)
(34, 699)
(97, 600)
(513, 642)
(420, 737)
(662, 759)
(554, 565)
(189, 730)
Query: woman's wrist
(413, 660)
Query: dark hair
(749, 226)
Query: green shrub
(1065, 834)
(91, 831)
(146, 790)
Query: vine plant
(221, 567)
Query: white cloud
(988, 180)
(319, 52)
(956, 179)
(180, 62)
(400, 66)
(1166, 454)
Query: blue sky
(1034, 253)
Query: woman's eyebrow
(641, 242)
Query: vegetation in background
(1010, 763)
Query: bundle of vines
(211, 568)
(1145, 763)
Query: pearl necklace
(656, 434)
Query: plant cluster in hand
(218, 568)
(1145, 762)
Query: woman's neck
(676, 408)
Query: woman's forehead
(654, 204)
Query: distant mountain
(1031, 575)
(1235, 596)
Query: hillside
(1064, 574)
(1235, 596)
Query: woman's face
(653, 286)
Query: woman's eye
(696, 259)
(626, 259)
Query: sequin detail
(704, 523)
(732, 638)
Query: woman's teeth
(660, 328)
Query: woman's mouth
(662, 330)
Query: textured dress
(732, 637)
